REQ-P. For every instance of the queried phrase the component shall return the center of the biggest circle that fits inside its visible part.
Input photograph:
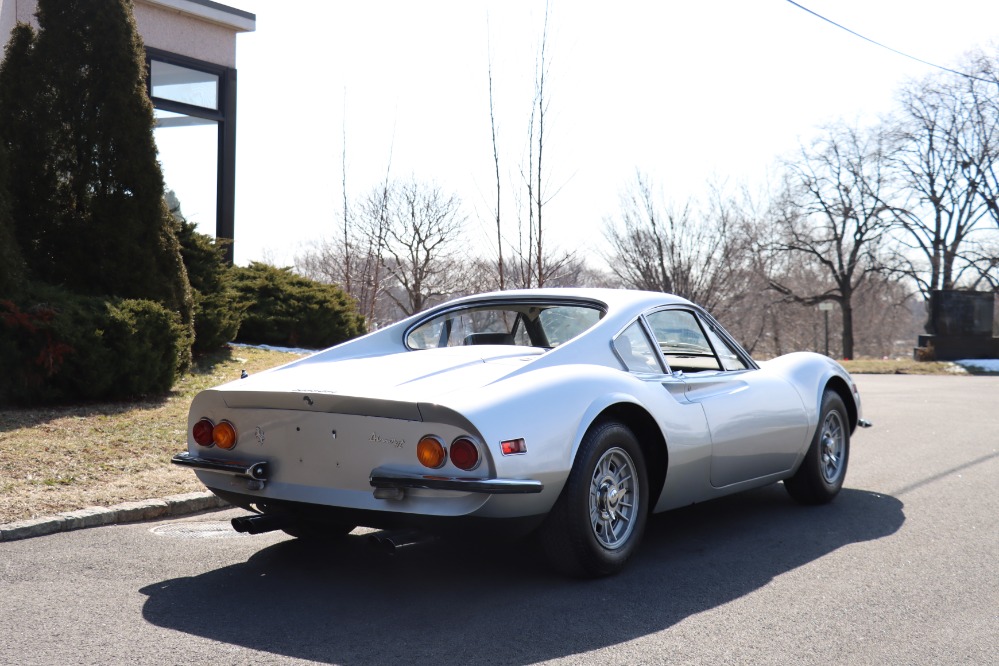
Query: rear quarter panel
(552, 409)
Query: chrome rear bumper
(382, 477)
(250, 470)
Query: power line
(876, 43)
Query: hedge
(290, 310)
(60, 347)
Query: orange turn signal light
(431, 452)
(224, 435)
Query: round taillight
(464, 454)
(224, 435)
(430, 452)
(202, 432)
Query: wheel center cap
(610, 495)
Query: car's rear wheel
(598, 520)
(821, 474)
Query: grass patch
(56, 459)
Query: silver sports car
(569, 413)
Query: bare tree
(420, 245)
(347, 274)
(979, 146)
(536, 263)
(535, 181)
(983, 265)
(496, 164)
(836, 219)
(661, 247)
(945, 154)
(333, 261)
(353, 259)
(979, 150)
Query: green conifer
(88, 195)
(11, 264)
(26, 192)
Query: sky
(688, 93)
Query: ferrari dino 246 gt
(573, 413)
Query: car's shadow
(488, 604)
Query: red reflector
(202, 432)
(464, 455)
(513, 446)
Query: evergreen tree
(88, 195)
(218, 310)
(11, 265)
(27, 195)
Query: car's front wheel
(821, 474)
(598, 520)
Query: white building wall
(12, 11)
(170, 29)
(193, 29)
(7, 20)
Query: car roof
(614, 299)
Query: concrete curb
(95, 516)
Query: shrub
(218, 310)
(86, 190)
(56, 347)
(290, 310)
(11, 264)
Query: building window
(189, 153)
(183, 84)
(195, 109)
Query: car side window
(729, 359)
(682, 341)
(632, 346)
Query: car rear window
(520, 324)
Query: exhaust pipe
(390, 542)
(258, 524)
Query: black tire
(821, 474)
(599, 519)
(317, 532)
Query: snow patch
(289, 350)
(989, 365)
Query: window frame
(649, 340)
(705, 322)
(499, 303)
(225, 116)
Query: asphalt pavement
(903, 568)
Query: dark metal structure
(962, 325)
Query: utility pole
(825, 307)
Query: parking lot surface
(900, 569)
